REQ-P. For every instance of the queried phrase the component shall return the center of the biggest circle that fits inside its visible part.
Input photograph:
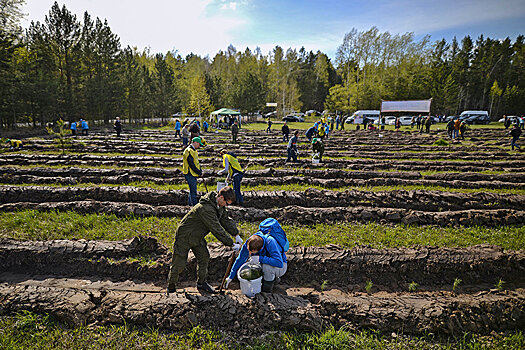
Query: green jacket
(203, 218)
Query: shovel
(228, 270)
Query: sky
(204, 27)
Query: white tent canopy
(419, 106)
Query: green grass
(292, 187)
(31, 331)
(33, 225)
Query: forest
(70, 68)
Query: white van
(468, 114)
(371, 115)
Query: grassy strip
(33, 225)
(293, 187)
(31, 331)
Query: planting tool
(228, 270)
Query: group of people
(315, 135)
(84, 127)
(456, 129)
(266, 247)
(192, 170)
(188, 130)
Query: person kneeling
(266, 250)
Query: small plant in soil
(500, 285)
(456, 284)
(412, 286)
(368, 286)
(62, 139)
(324, 285)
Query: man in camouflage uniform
(209, 215)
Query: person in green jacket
(209, 215)
(318, 148)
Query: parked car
(478, 119)
(293, 118)
(513, 119)
(404, 120)
(312, 112)
(389, 120)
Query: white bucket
(221, 185)
(249, 288)
(315, 160)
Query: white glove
(236, 247)
(238, 239)
(228, 280)
(255, 258)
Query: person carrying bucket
(233, 168)
(267, 247)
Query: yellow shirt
(185, 166)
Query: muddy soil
(423, 200)
(60, 278)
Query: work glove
(227, 282)
(255, 258)
(238, 239)
(236, 247)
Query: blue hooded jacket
(271, 254)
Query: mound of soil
(59, 277)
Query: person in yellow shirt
(191, 167)
(15, 144)
(235, 172)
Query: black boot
(170, 290)
(267, 286)
(205, 288)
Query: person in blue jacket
(84, 127)
(264, 248)
(311, 133)
(178, 127)
(73, 128)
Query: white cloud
(229, 6)
(162, 25)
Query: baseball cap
(200, 140)
(314, 140)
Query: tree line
(71, 68)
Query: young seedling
(368, 286)
(412, 286)
(456, 284)
(499, 285)
(324, 285)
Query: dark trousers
(192, 184)
(180, 257)
(237, 178)
(184, 141)
(292, 155)
(286, 137)
(85, 132)
(513, 142)
(74, 132)
(177, 133)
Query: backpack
(272, 228)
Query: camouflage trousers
(180, 257)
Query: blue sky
(206, 26)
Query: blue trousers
(292, 155)
(192, 184)
(237, 178)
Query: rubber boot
(267, 286)
(205, 287)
